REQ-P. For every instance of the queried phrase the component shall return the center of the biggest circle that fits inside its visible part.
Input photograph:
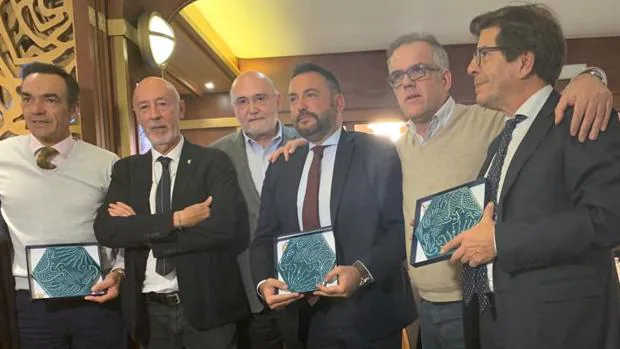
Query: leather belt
(169, 299)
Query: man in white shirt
(50, 188)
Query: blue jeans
(441, 325)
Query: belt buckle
(173, 299)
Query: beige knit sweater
(452, 156)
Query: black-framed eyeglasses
(415, 72)
(482, 51)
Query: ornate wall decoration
(31, 30)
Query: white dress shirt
(325, 182)
(258, 157)
(154, 282)
(530, 109)
(63, 147)
(439, 120)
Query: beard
(322, 124)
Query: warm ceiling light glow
(156, 38)
(209, 85)
(391, 129)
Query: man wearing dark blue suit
(351, 181)
(539, 268)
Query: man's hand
(348, 281)
(592, 102)
(269, 291)
(476, 246)
(194, 214)
(110, 285)
(120, 209)
(287, 149)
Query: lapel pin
(189, 161)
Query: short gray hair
(440, 56)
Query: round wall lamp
(156, 39)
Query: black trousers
(346, 337)
(260, 331)
(481, 330)
(325, 332)
(170, 330)
(64, 324)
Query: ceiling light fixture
(156, 39)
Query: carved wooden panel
(31, 30)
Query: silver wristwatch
(598, 72)
(366, 278)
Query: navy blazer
(367, 218)
(558, 219)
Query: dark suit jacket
(559, 216)
(9, 338)
(204, 255)
(366, 214)
(234, 146)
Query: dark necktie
(164, 265)
(310, 211)
(475, 278)
(44, 158)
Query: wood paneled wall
(216, 105)
(204, 138)
(363, 74)
(599, 52)
(363, 78)
(94, 73)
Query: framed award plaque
(442, 216)
(303, 259)
(63, 271)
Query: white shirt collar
(534, 104)
(331, 140)
(276, 138)
(174, 154)
(440, 118)
(63, 147)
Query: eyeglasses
(482, 51)
(415, 72)
(258, 99)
